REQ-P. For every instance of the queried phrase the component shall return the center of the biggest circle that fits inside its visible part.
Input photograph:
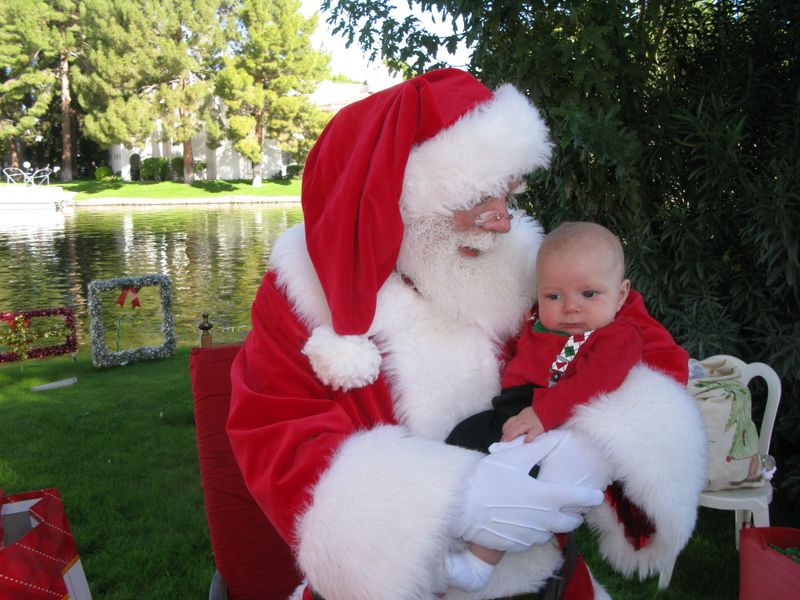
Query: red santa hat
(429, 146)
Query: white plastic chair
(751, 504)
(41, 176)
(14, 175)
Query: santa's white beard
(492, 290)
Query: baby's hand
(525, 423)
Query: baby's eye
(590, 293)
(552, 296)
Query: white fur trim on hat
(476, 157)
(343, 362)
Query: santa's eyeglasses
(493, 216)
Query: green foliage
(103, 173)
(268, 76)
(115, 80)
(27, 72)
(176, 167)
(792, 552)
(127, 70)
(677, 125)
(22, 334)
(148, 64)
(19, 337)
(294, 171)
(156, 169)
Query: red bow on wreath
(133, 291)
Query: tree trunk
(188, 159)
(260, 137)
(66, 121)
(257, 174)
(13, 149)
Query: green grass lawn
(120, 446)
(173, 189)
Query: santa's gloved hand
(506, 509)
(577, 460)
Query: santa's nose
(492, 215)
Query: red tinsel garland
(70, 345)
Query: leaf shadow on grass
(90, 186)
(214, 187)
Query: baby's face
(580, 290)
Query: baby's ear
(624, 290)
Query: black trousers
(480, 431)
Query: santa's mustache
(438, 235)
(492, 287)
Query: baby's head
(580, 270)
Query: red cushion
(252, 558)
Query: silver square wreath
(101, 355)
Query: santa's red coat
(360, 483)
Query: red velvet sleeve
(660, 350)
(284, 425)
(600, 366)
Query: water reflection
(215, 257)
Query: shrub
(155, 169)
(176, 167)
(676, 125)
(294, 171)
(103, 173)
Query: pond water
(214, 255)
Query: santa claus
(385, 320)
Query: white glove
(506, 509)
(576, 460)
(573, 459)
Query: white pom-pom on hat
(343, 362)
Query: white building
(225, 162)
(221, 163)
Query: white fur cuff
(343, 362)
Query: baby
(575, 347)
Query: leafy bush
(103, 173)
(294, 171)
(176, 168)
(676, 125)
(155, 169)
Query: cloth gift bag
(724, 402)
(38, 557)
(765, 573)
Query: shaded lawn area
(120, 445)
(174, 189)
